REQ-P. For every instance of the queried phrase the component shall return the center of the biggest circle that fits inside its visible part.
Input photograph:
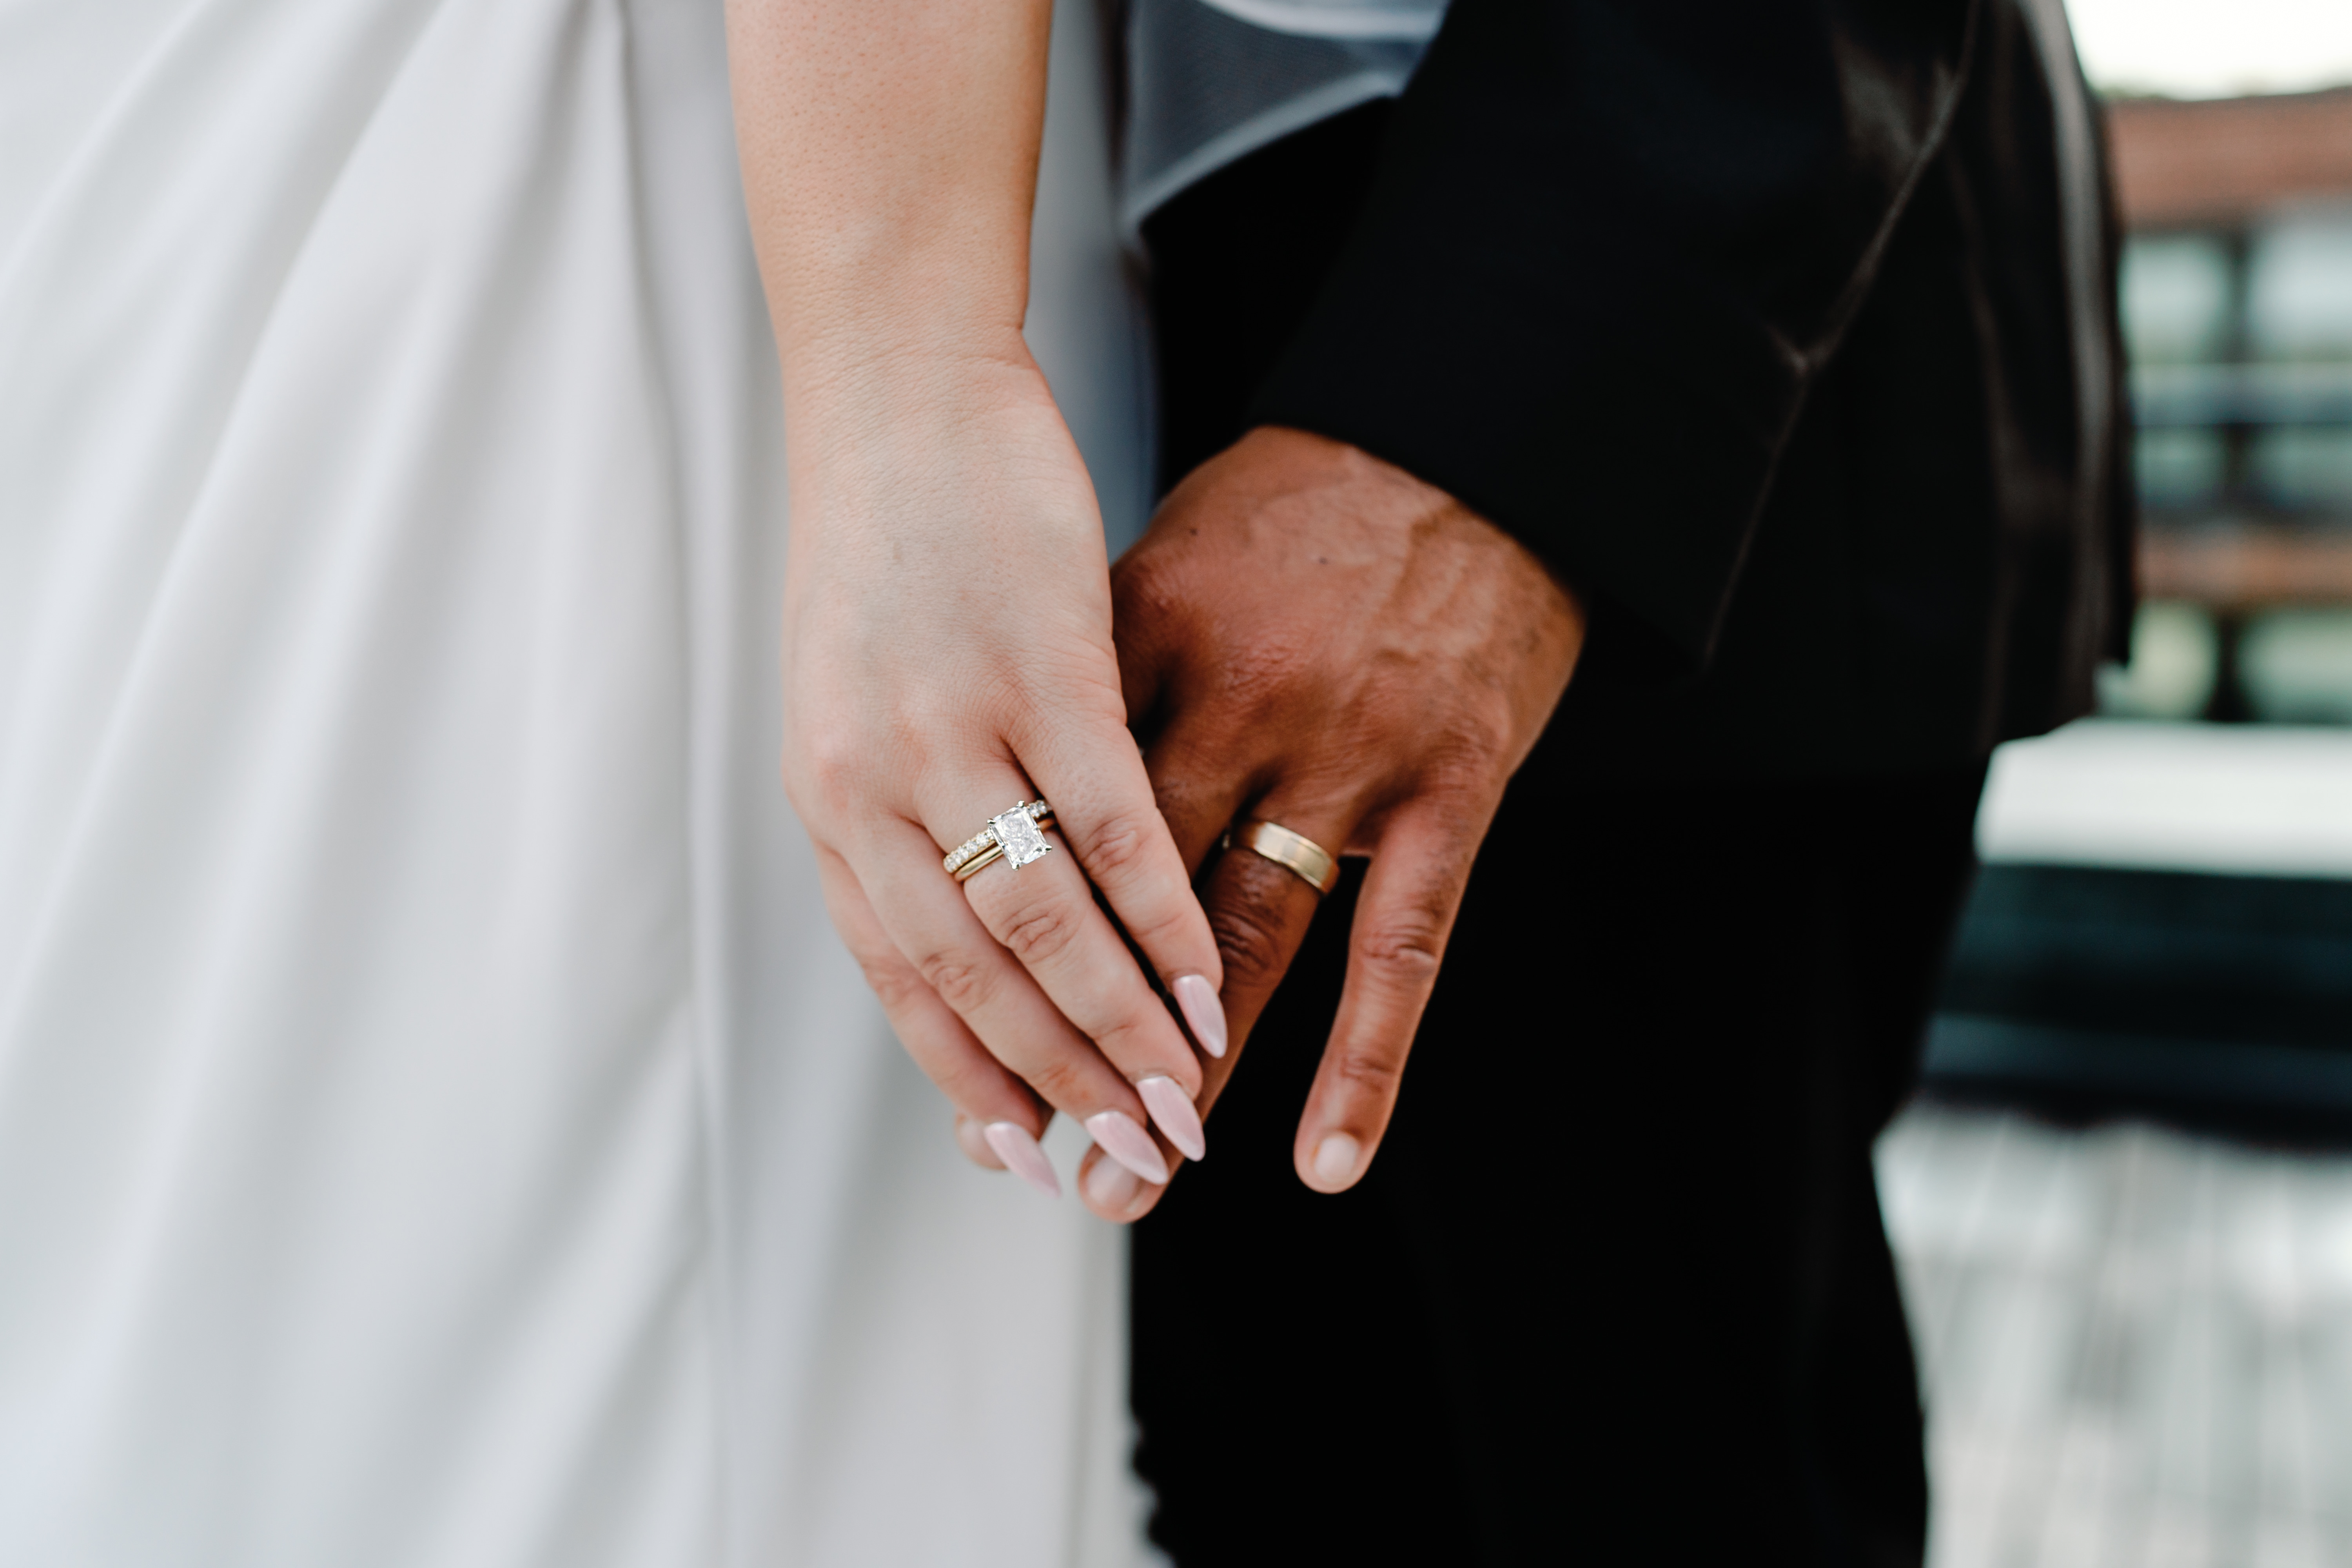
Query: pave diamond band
(979, 843)
(1018, 835)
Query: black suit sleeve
(1606, 248)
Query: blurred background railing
(2123, 1205)
(2164, 922)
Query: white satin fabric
(1211, 81)
(437, 1126)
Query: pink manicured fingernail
(1336, 1158)
(1022, 1157)
(1204, 1012)
(1172, 1107)
(1129, 1145)
(1111, 1187)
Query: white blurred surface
(2259, 799)
(2204, 49)
(2135, 1344)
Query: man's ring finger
(1294, 852)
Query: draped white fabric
(1211, 81)
(436, 1124)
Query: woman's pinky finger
(1112, 1191)
(1403, 915)
(996, 1113)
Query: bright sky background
(2213, 48)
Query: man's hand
(1312, 636)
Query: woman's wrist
(860, 390)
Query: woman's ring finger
(1017, 836)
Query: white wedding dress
(437, 1126)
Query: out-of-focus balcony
(2238, 307)
(2167, 900)
(2124, 1205)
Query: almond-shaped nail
(1022, 1157)
(1129, 1145)
(1172, 1107)
(1204, 1012)
(1336, 1158)
(1112, 1188)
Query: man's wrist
(1397, 496)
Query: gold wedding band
(1294, 852)
(1018, 833)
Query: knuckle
(891, 981)
(1058, 1079)
(1373, 1076)
(1249, 939)
(1040, 933)
(1124, 1037)
(1464, 758)
(831, 757)
(1162, 931)
(1119, 848)
(1404, 950)
(961, 980)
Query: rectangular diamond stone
(1020, 835)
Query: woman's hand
(947, 654)
(1315, 637)
(946, 617)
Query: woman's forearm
(889, 153)
(947, 622)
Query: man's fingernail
(1022, 1157)
(1172, 1107)
(1129, 1145)
(1112, 1188)
(1335, 1160)
(1204, 1012)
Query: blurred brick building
(2221, 162)
(2240, 217)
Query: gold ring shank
(986, 857)
(1294, 852)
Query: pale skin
(1305, 634)
(946, 611)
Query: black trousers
(1616, 1289)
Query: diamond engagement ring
(1018, 835)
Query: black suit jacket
(1760, 321)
